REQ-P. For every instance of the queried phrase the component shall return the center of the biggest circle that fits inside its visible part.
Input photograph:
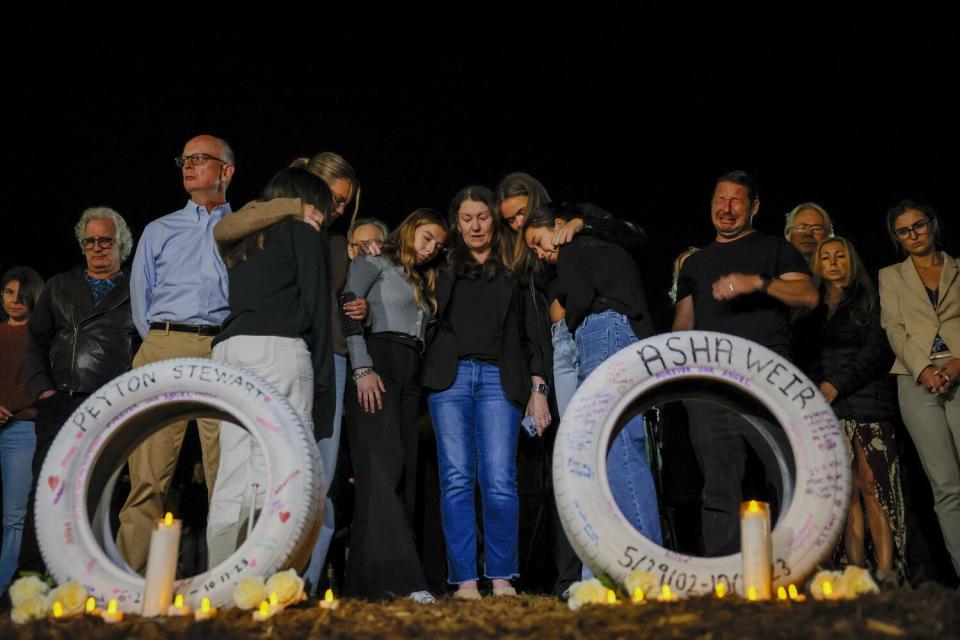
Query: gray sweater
(392, 305)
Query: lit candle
(792, 592)
(161, 566)
(205, 612)
(112, 614)
(57, 609)
(91, 606)
(720, 589)
(781, 593)
(828, 589)
(611, 597)
(328, 601)
(638, 595)
(666, 595)
(178, 608)
(265, 612)
(751, 594)
(756, 548)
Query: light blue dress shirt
(177, 274)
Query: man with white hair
(178, 290)
(81, 337)
(807, 225)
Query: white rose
(72, 597)
(643, 580)
(288, 586)
(249, 593)
(36, 607)
(589, 591)
(25, 588)
(855, 582)
(816, 585)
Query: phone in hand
(529, 426)
(350, 326)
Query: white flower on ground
(36, 607)
(589, 591)
(817, 585)
(855, 582)
(643, 580)
(249, 593)
(72, 597)
(25, 588)
(288, 586)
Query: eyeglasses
(812, 228)
(102, 242)
(196, 160)
(919, 228)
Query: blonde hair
(330, 167)
(399, 247)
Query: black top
(593, 276)
(849, 350)
(757, 316)
(478, 331)
(283, 290)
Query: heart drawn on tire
(53, 481)
(284, 515)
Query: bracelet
(363, 371)
(540, 388)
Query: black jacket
(854, 358)
(74, 345)
(518, 356)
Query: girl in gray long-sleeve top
(383, 401)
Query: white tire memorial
(79, 474)
(700, 365)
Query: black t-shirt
(757, 316)
(478, 329)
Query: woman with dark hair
(920, 311)
(844, 349)
(600, 289)
(279, 329)
(484, 373)
(21, 288)
(383, 402)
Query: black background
(635, 107)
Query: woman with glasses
(21, 288)
(383, 403)
(278, 328)
(485, 374)
(845, 350)
(920, 311)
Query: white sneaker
(422, 597)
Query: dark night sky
(636, 109)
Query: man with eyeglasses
(807, 225)
(81, 336)
(178, 290)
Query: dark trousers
(720, 440)
(383, 560)
(52, 412)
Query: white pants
(284, 363)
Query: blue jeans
(565, 367)
(477, 429)
(329, 448)
(600, 336)
(17, 442)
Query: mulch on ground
(928, 612)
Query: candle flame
(638, 595)
(752, 593)
(274, 599)
(781, 593)
(665, 593)
(205, 605)
(178, 601)
(264, 609)
(168, 519)
(792, 592)
(753, 506)
(720, 589)
(112, 606)
(827, 588)
(328, 595)
(611, 597)
(91, 605)
(57, 609)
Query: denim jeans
(17, 442)
(477, 429)
(600, 336)
(329, 448)
(565, 365)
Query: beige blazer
(910, 320)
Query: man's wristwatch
(766, 280)
(540, 388)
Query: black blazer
(518, 357)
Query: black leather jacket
(74, 345)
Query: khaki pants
(152, 463)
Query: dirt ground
(928, 612)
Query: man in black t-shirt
(743, 284)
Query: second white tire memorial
(700, 365)
(81, 469)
